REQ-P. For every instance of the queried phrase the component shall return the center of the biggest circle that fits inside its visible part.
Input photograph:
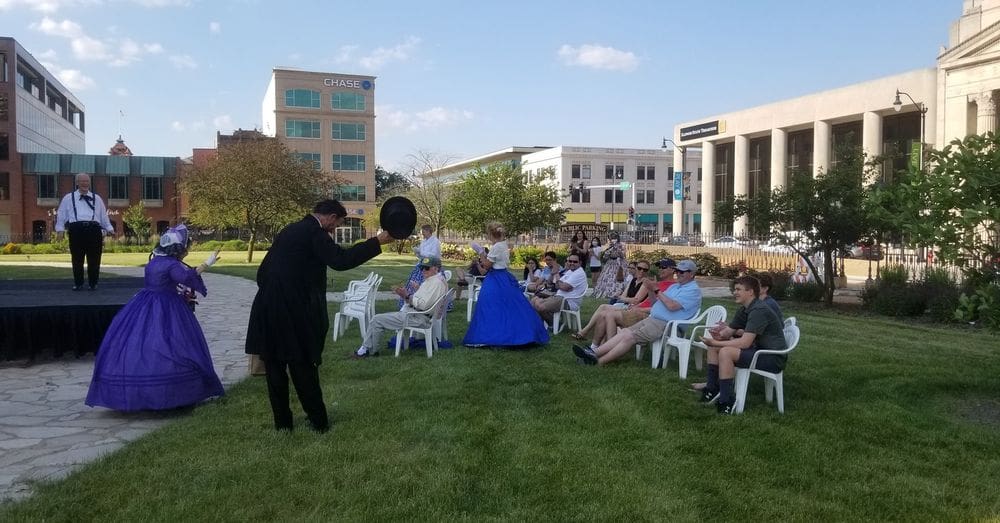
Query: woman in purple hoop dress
(154, 355)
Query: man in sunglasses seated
(430, 291)
(570, 284)
(680, 301)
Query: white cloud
(432, 118)
(44, 6)
(383, 55)
(183, 61)
(177, 126)
(73, 79)
(223, 122)
(161, 3)
(47, 56)
(214, 27)
(121, 91)
(345, 53)
(598, 57)
(115, 52)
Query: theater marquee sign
(703, 130)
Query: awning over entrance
(668, 219)
(619, 217)
(647, 218)
(580, 217)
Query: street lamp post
(897, 104)
(682, 150)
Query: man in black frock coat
(288, 320)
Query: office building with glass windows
(592, 177)
(42, 144)
(894, 117)
(328, 119)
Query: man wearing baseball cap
(681, 301)
(429, 292)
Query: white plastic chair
(683, 344)
(475, 283)
(789, 321)
(773, 384)
(437, 310)
(657, 346)
(360, 306)
(569, 313)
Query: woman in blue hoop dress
(154, 355)
(503, 317)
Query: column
(871, 134)
(741, 178)
(779, 153)
(821, 147)
(678, 207)
(707, 188)
(986, 112)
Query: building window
(670, 174)
(313, 158)
(301, 98)
(4, 147)
(724, 172)
(800, 152)
(646, 172)
(46, 186)
(4, 186)
(3, 67)
(348, 162)
(614, 172)
(348, 101)
(618, 195)
(302, 128)
(670, 195)
(118, 188)
(760, 166)
(351, 193)
(579, 196)
(699, 198)
(699, 174)
(580, 171)
(348, 131)
(650, 197)
(152, 188)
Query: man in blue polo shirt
(680, 302)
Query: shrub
(734, 270)
(708, 264)
(234, 245)
(454, 251)
(806, 292)
(941, 294)
(780, 280)
(521, 254)
(981, 306)
(11, 248)
(893, 275)
(899, 300)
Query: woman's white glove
(212, 258)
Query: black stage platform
(47, 318)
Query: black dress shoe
(585, 354)
(77, 287)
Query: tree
(500, 191)
(429, 191)
(256, 184)
(828, 211)
(136, 219)
(389, 184)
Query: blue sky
(458, 78)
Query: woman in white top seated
(429, 247)
(503, 316)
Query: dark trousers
(305, 377)
(85, 239)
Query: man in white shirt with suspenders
(83, 214)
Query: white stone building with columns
(760, 146)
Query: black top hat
(398, 217)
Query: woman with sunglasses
(633, 295)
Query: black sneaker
(726, 408)
(585, 354)
(708, 397)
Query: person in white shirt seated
(570, 285)
(430, 246)
(430, 291)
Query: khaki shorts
(648, 330)
(632, 316)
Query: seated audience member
(755, 327)
(765, 287)
(680, 301)
(464, 278)
(607, 318)
(570, 285)
(427, 294)
(550, 266)
(532, 273)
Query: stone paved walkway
(45, 429)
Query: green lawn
(884, 421)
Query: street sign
(624, 186)
(678, 186)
